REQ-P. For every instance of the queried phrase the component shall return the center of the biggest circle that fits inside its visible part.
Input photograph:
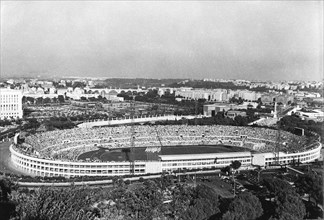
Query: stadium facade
(166, 162)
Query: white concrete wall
(135, 120)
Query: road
(5, 164)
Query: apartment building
(10, 103)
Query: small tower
(275, 110)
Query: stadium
(140, 150)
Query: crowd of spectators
(69, 144)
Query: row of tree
(41, 100)
(154, 199)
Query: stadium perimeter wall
(43, 167)
(129, 120)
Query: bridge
(139, 119)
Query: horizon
(263, 41)
(55, 78)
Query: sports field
(125, 154)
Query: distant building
(285, 99)
(78, 91)
(245, 105)
(111, 95)
(193, 94)
(233, 113)
(302, 104)
(11, 81)
(314, 114)
(213, 109)
(217, 95)
(61, 91)
(248, 95)
(162, 91)
(10, 103)
(40, 90)
(270, 98)
(91, 83)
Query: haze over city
(229, 40)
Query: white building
(10, 103)
(210, 95)
(248, 95)
(314, 114)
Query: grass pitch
(124, 154)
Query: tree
(258, 170)
(236, 164)
(91, 99)
(32, 124)
(145, 201)
(5, 122)
(47, 100)
(226, 169)
(24, 99)
(245, 206)
(181, 198)
(7, 207)
(78, 84)
(288, 204)
(203, 205)
(59, 123)
(155, 107)
(49, 203)
(166, 181)
(190, 203)
(312, 184)
(233, 100)
(259, 106)
(240, 120)
(290, 208)
(5, 189)
(259, 101)
(19, 121)
(31, 100)
(61, 98)
(39, 100)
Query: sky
(279, 40)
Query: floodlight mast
(132, 153)
(278, 136)
(196, 111)
(158, 137)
